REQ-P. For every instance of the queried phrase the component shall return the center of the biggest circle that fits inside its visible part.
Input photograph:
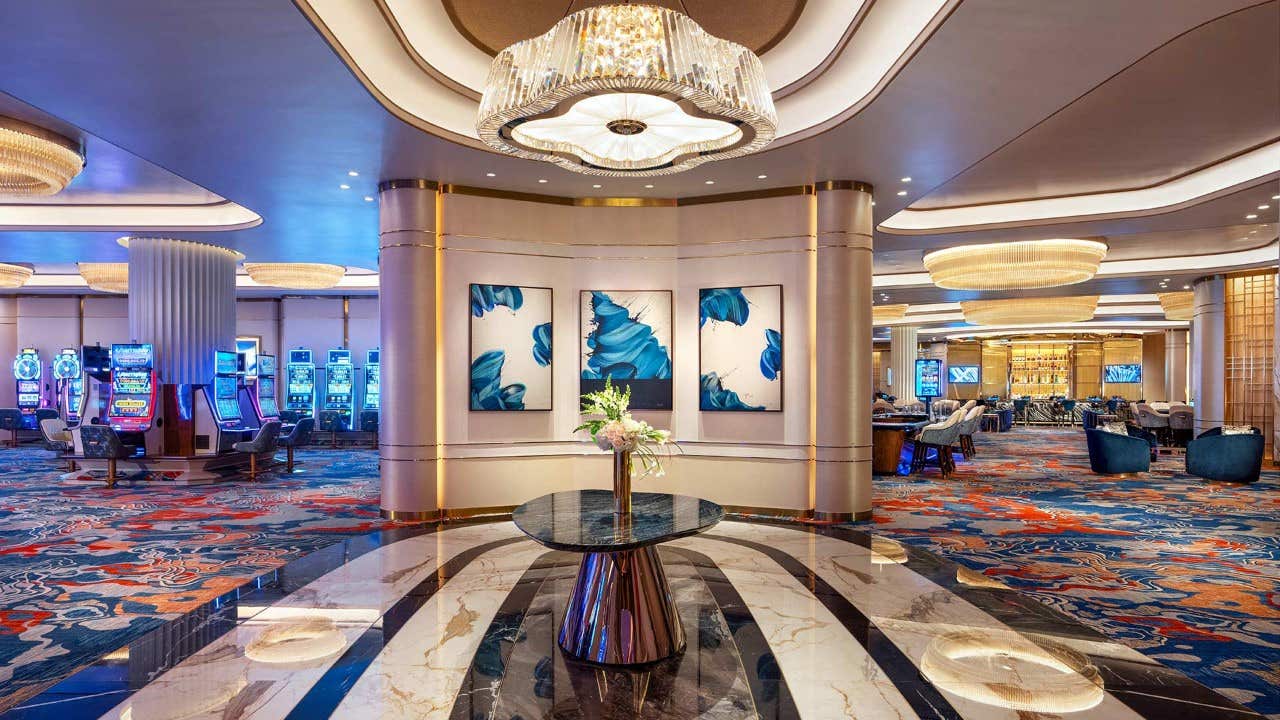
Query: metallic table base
(621, 611)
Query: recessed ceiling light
(873, 203)
(489, 175)
(368, 198)
(906, 179)
(902, 192)
(542, 180)
(353, 173)
(1275, 197)
(1165, 280)
(713, 182)
(596, 186)
(649, 186)
(345, 186)
(1263, 207)
(1251, 216)
(1186, 287)
(761, 177)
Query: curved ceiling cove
(828, 64)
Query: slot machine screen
(339, 378)
(28, 393)
(225, 363)
(225, 396)
(267, 365)
(267, 395)
(372, 387)
(131, 381)
(300, 380)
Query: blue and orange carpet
(1185, 571)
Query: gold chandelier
(626, 90)
(14, 276)
(35, 161)
(1015, 265)
(1178, 305)
(106, 277)
(883, 314)
(1030, 311)
(296, 276)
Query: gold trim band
(819, 516)
(410, 515)
(408, 184)
(858, 185)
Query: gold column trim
(638, 202)
(408, 183)
(858, 185)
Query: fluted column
(407, 246)
(1208, 352)
(842, 489)
(1175, 366)
(904, 345)
(182, 300)
(1275, 383)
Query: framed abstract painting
(510, 348)
(740, 349)
(626, 338)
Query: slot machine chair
(369, 424)
(11, 420)
(57, 438)
(331, 422)
(102, 442)
(298, 435)
(263, 441)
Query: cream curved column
(1275, 383)
(1208, 352)
(904, 348)
(842, 486)
(407, 449)
(182, 300)
(1175, 366)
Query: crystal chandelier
(626, 90)
(1015, 265)
(14, 276)
(296, 276)
(1030, 311)
(1178, 305)
(106, 277)
(35, 161)
(884, 314)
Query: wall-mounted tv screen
(1123, 374)
(962, 374)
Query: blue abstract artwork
(626, 338)
(740, 348)
(510, 348)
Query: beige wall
(1153, 385)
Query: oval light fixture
(1015, 265)
(626, 90)
(296, 276)
(106, 277)
(14, 276)
(1030, 311)
(882, 314)
(1178, 305)
(35, 161)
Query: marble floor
(783, 621)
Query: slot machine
(264, 391)
(131, 405)
(218, 420)
(339, 386)
(300, 384)
(27, 372)
(372, 391)
(68, 377)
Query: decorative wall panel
(1250, 352)
(510, 343)
(740, 348)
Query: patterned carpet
(1185, 571)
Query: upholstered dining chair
(939, 437)
(298, 435)
(101, 442)
(968, 426)
(1152, 421)
(57, 438)
(263, 441)
(1181, 424)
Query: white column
(904, 346)
(182, 300)
(407, 244)
(842, 488)
(1175, 366)
(1208, 352)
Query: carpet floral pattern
(1186, 571)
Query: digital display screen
(28, 399)
(928, 377)
(131, 382)
(225, 363)
(1123, 374)
(372, 386)
(266, 365)
(267, 395)
(95, 358)
(299, 356)
(131, 356)
(224, 388)
(338, 378)
(963, 374)
(302, 380)
(66, 365)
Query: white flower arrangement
(617, 431)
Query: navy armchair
(1226, 458)
(1115, 454)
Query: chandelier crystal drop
(296, 276)
(106, 277)
(1178, 305)
(1030, 311)
(626, 90)
(1015, 265)
(35, 161)
(14, 276)
(884, 314)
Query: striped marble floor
(783, 621)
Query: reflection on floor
(784, 622)
(1186, 571)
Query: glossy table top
(584, 521)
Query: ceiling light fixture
(1263, 207)
(1251, 216)
(649, 186)
(625, 90)
(761, 177)
(368, 198)
(296, 276)
(1177, 305)
(883, 314)
(490, 175)
(906, 179)
(105, 277)
(345, 186)
(595, 186)
(1015, 265)
(14, 276)
(353, 173)
(901, 193)
(1030, 311)
(35, 161)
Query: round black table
(621, 611)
